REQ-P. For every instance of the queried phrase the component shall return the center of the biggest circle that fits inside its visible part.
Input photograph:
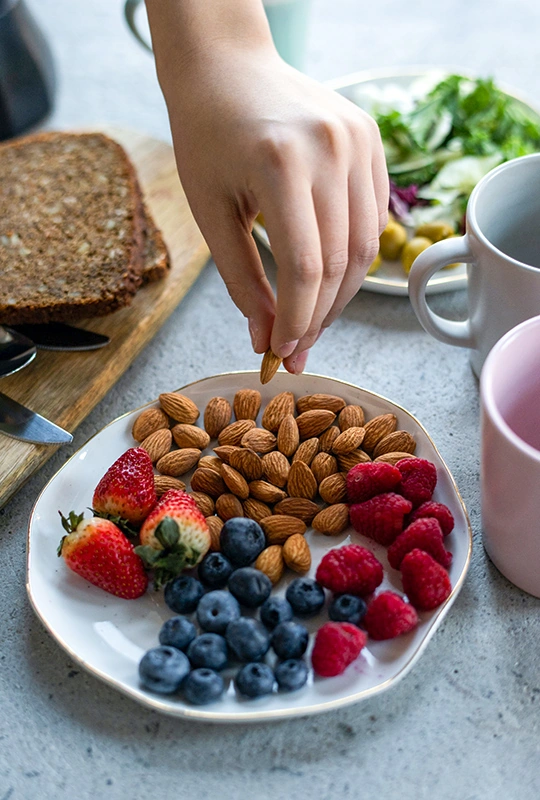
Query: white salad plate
(384, 90)
(107, 635)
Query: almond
(234, 432)
(235, 482)
(307, 451)
(224, 452)
(396, 442)
(276, 468)
(190, 436)
(217, 415)
(178, 462)
(393, 458)
(255, 509)
(247, 462)
(162, 484)
(266, 492)
(228, 506)
(376, 429)
(279, 527)
(277, 409)
(350, 460)
(334, 488)
(347, 441)
(327, 439)
(215, 525)
(148, 422)
(179, 407)
(157, 444)
(312, 423)
(332, 520)
(297, 507)
(351, 417)
(270, 561)
(269, 367)
(204, 503)
(207, 481)
(211, 462)
(288, 437)
(323, 465)
(296, 553)
(247, 404)
(328, 402)
(301, 482)
(260, 440)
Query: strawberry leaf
(149, 555)
(167, 533)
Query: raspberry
(438, 511)
(424, 534)
(418, 479)
(380, 518)
(350, 570)
(388, 615)
(364, 481)
(425, 582)
(337, 644)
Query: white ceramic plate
(108, 636)
(398, 88)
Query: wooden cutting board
(65, 387)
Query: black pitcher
(26, 70)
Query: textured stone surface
(464, 722)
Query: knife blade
(20, 422)
(59, 336)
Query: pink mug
(510, 466)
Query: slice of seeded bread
(75, 240)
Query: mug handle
(130, 10)
(438, 255)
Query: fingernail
(286, 349)
(255, 334)
(299, 362)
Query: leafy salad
(439, 149)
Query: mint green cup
(289, 20)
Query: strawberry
(97, 550)
(174, 536)
(126, 492)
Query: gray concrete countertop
(464, 723)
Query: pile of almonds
(288, 474)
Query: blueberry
(248, 639)
(177, 632)
(215, 611)
(163, 669)
(251, 587)
(274, 611)
(255, 680)
(203, 686)
(182, 594)
(214, 570)
(291, 674)
(347, 608)
(208, 650)
(290, 640)
(306, 596)
(242, 540)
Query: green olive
(392, 240)
(435, 230)
(376, 264)
(412, 249)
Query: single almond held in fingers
(351, 417)
(247, 404)
(307, 451)
(332, 520)
(334, 488)
(314, 422)
(276, 468)
(398, 441)
(266, 492)
(215, 525)
(323, 465)
(301, 481)
(234, 432)
(207, 481)
(235, 482)
(327, 439)
(347, 441)
(298, 507)
(350, 460)
(276, 410)
(228, 506)
(393, 458)
(270, 561)
(190, 436)
(256, 509)
(269, 367)
(259, 440)
(162, 484)
(217, 415)
(178, 462)
(328, 402)
(288, 436)
(179, 407)
(157, 444)
(211, 462)
(148, 422)
(279, 527)
(247, 462)
(205, 503)
(296, 553)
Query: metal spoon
(16, 351)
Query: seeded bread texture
(75, 240)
